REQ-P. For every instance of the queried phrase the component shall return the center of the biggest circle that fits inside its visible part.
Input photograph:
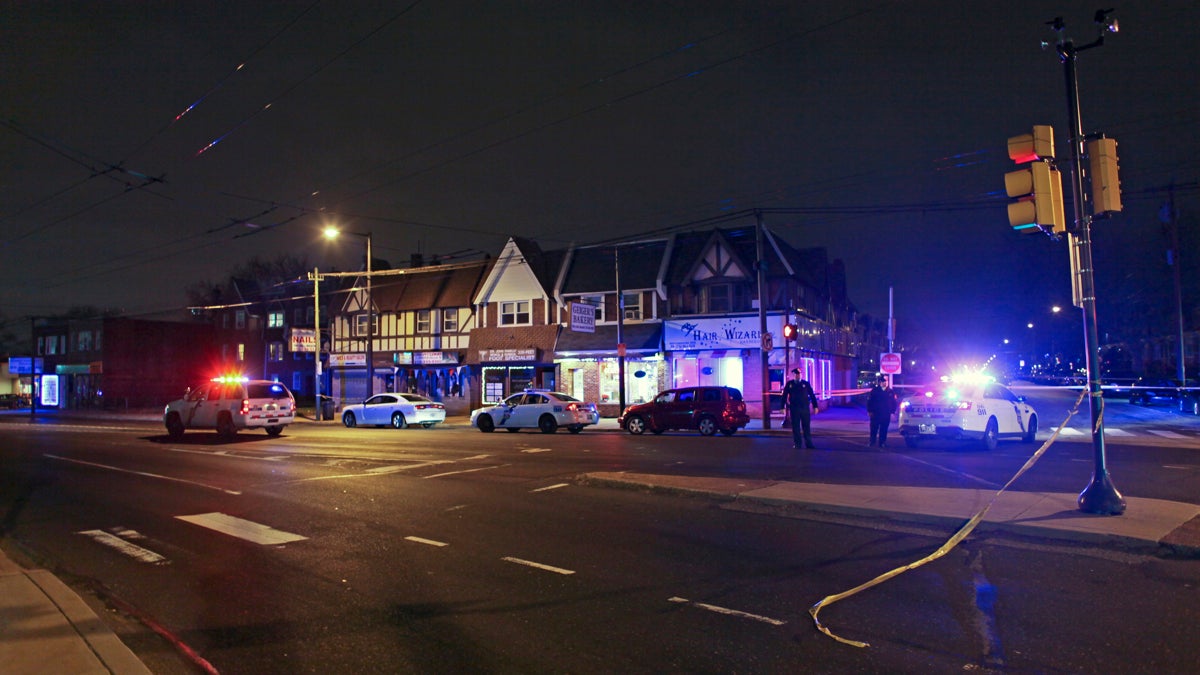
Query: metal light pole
(316, 279)
(1100, 496)
(333, 232)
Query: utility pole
(316, 279)
(1171, 219)
(620, 329)
(765, 353)
(1100, 496)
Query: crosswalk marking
(130, 549)
(1165, 433)
(242, 529)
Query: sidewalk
(46, 627)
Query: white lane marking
(226, 453)
(551, 487)
(451, 473)
(1068, 431)
(132, 550)
(532, 450)
(1176, 466)
(1166, 434)
(431, 542)
(144, 473)
(242, 529)
(540, 566)
(730, 612)
(387, 469)
(1116, 432)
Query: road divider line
(551, 487)
(1166, 434)
(146, 474)
(430, 542)
(242, 529)
(452, 473)
(130, 549)
(540, 566)
(727, 611)
(225, 453)
(533, 450)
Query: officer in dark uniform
(800, 401)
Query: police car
(230, 404)
(973, 409)
(539, 409)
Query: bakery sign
(718, 333)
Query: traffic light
(1106, 186)
(1037, 186)
(789, 331)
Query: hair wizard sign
(718, 333)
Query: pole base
(1101, 497)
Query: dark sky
(445, 127)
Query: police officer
(800, 401)
(881, 404)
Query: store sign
(303, 340)
(24, 365)
(494, 355)
(345, 360)
(49, 391)
(719, 333)
(583, 317)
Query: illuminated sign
(49, 391)
(344, 360)
(302, 340)
(527, 354)
(583, 317)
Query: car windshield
(265, 390)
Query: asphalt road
(377, 550)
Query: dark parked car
(13, 401)
(705, 409)
(1189, 401)
(1154, 391)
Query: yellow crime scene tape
(950, 543)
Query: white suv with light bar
(977, 409)
(230, 404)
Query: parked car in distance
(980, 411)
(230, 404)
(704, 409)
(13, 401)
(539, 409)
(398, 410)
(1154, 391)
(1189, 400)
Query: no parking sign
(889, 363)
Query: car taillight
(572, 407)
(963, 405)
(245, 406)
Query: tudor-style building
(423, 318)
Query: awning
(639, 338)
(512, 344)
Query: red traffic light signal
(789, 331)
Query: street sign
(768, 341)
(889, 363)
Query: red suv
(706, 409)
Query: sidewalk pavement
(46, 627)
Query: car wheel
(991, 435)
(174, 426)
(547, 424)
(707, 426)
(912, 441)
(635, 425)
(274, 431)
(428, 425)
(348, 420)
(398, 420)
(1030, 430)
(729, 432)
(575, 428)
(225, 428)
(485, 424)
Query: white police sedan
(397, 410)
(538, 409)
(977, 410)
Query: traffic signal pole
(1100, 496)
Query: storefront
(590, 365)
(512, 359)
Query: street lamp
(333, 233)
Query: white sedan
(398, 410)
(539, 409)
(982, 411)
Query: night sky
(446, 127)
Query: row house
(668, 312)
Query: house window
(450, 321)
(241, 351)
(275, 319)
(424, 320)
(360, 325)
(514, 313)
(83, 341)
(596, 301)
(275, 351)
(633, 306)
(298, 316)
(239, 319)
(720, 298)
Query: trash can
(328, 409)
